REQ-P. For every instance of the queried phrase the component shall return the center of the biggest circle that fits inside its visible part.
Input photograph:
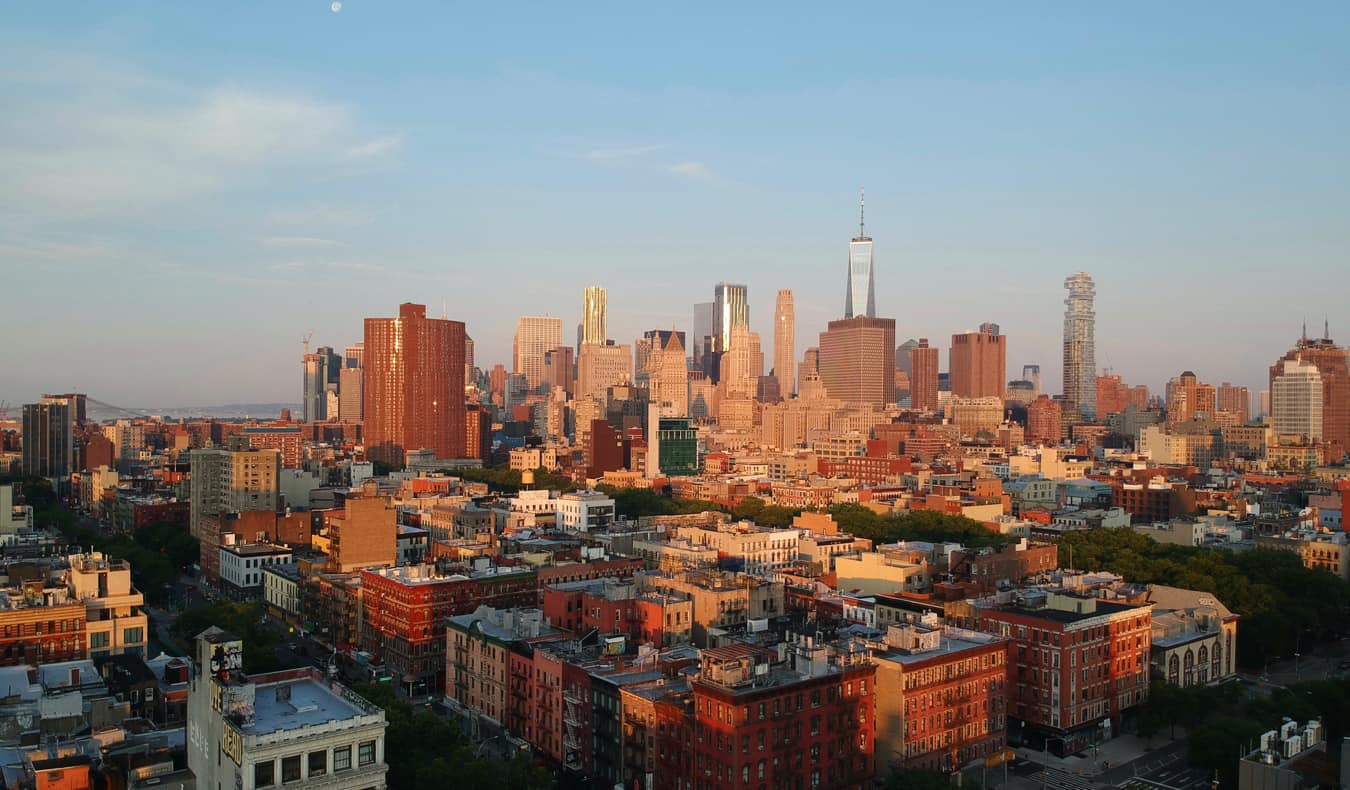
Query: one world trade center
(861, 299)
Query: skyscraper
(355, 355)
(924, 377)
(857, 359)
(535, 335)
(602, 367)
(414, 385)
(1032, 373)
(903, 357)
(978, 363)
(742, 364)
(594, 316)
(1330, 361)
(1296, 401)
(1080, 355)
(48, 440)
(731, 308)
(703, 329)
(861, 299)
(668, 374)
(321, 376)
(784, 344)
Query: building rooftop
(293, 703)
(949, 642)
(256, 549)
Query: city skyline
(295, 183)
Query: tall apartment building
(1236, 401)
(1296, 401)
(232, 480)
(535, 335)
(1330, 361)
(284, 728)
(785, 344)
(1080, 344)
(320, 377)
(731, 308)
(414, 385)
(923, 380)
(857, 360)
(1043, 423)
(978, 364)
(48, 443)
(594, 316)
(1112, 395)
(351, 395)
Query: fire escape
(576, 711)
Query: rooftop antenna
(1305, 330)
(1326, 328)
(444, 314)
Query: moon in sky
(336, 6)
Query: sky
(188, 189)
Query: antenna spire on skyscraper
(861, 205)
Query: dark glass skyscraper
(861, 299)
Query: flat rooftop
(256, 549)
(312, 703)
(946, 647)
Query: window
(98, 639)
(318, 763)
(365, 754)
(264, 774)
(131, 636)
(290, 768)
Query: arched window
(1189, 668)
(1202, 661)
(1173, 666)
(1216, 662)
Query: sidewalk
(1109, 757)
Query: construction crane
(305, 340)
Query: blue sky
(186, 189)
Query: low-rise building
(242, 564)
(281, 591)
(584, 511)
(1194, 637)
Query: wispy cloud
(693, 170)
(105, 138)
(301, 242)
(375, 148)
(346, 266)
(621, 153)
(320, 215)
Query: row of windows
(265, 773)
